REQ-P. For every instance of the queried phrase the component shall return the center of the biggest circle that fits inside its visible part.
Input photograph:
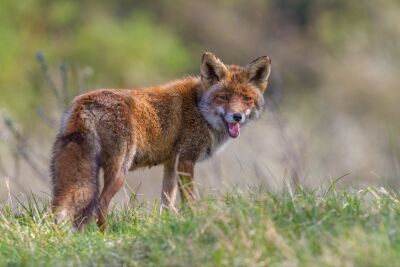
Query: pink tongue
(234, 129)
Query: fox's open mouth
(233, 128)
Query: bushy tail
(75, 170)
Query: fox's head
(232, 94)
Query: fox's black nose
(237, 117)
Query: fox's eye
(247, 98)
(223, 97)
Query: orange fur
(176, 125)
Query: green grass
(250, 228)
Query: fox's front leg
(185, 171)
(177, 172)
(169, 186)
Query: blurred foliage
(120, 51)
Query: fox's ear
(258, 72)
(212, 69)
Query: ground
(242, 227)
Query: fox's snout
(235, 117)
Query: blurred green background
(335, 77)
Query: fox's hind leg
(115, 169)
(114, 178)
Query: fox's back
(167, 122)
(160, 121)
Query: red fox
(176, 124)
